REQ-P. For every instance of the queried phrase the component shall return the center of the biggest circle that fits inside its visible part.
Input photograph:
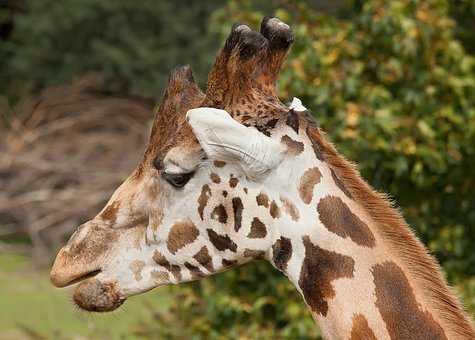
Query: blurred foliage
(463, 11)
(392, 82)
(54, 41)
(395, 90)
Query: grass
(31, 308)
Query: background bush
(392, 82)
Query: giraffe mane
(395, 230)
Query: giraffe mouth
(83, 277)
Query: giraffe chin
(94, 296)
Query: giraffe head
(199, 202)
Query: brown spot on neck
(228, 263)
(360, 329)
(221, 242)
(310, 178)
(338, 218)
(237, 210)
(257, 254)
(399, 308)
(219, 213)
(294, 148)
(274, 210)
(181, 234)
(320, 267)
(195, 272)
(203, 199)
(290, 209)
(281, 253)
(162, 261)
(262, 200)
(204, 259)
(258, 229)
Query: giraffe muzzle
(83, 256)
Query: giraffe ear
(223, 138)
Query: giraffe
(233, 175)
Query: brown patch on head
(340, 184)
(229, 263)
(281, 253)
(195, 272)
(310, 178)
(237, 209)
(219, 213)
(160, 276)
(161, 260)
(293, 120)
(136, 268)
(110, 213)
(203, 199)
(399, 308)
(258, 229)
(97, 241)
(262, 200)
(254, 253)
(294, 148)
(338, 218)
(274, 210)
(225, 193)
(204, 259)
(215, 178)
(221, 242)
(290, 209)
(233, 182)
(181, 234)
(219, 164)
(360, 329)
(320, 267)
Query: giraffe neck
(360, 269)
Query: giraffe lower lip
(94, 296)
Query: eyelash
(177, 180)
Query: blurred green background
(392, 82)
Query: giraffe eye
(177, 180)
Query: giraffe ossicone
(232, 175)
